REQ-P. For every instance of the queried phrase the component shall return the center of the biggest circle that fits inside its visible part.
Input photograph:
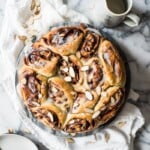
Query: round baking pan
(127, 85)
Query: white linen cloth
(19, 20)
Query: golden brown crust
(50, 115)
(63, 41)
(78, 123)
(111, 96)
(42, 61)
(84, 102)
(81, 84)
(61, 93)
(33, 87)
(112, 63)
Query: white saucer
(16, 142)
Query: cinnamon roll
(73, 79)
(42, 61)
(50, 115)
(94, 75)
(85, 102)
(33, 87)
(63, 41)
(112, 63)
(110, 97)
(78, 123)
(90, 44)
(60, 93)
(70, 71)
(108, 105)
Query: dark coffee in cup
(117, 6)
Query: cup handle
(132, 20)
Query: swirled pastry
(73, 79)
(42, 61)
(78, 123)
(33, 87)
(61, 93)
(112, 63)
(50, 115)
(70, 71)
(90, 44)
(85, 102)
(63, 41)
(94, 74)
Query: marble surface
(136, 44)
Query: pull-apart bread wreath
(73, 79)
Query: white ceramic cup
(111, 18)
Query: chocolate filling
(90, 44)
(43, 114)
(58, 96)
(36, 55)
(78, 125)
(95, 75)
(31, 84)
(32, 87)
